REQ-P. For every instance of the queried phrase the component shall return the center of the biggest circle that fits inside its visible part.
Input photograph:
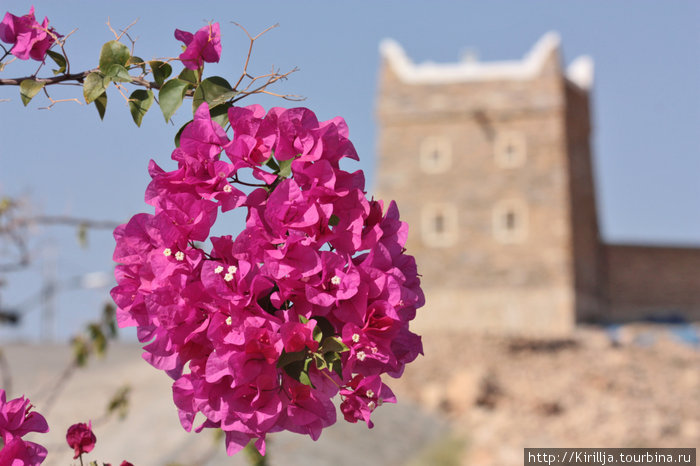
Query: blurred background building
(491, 164)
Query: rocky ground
(633, 386)
(472, 400)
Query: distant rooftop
(579, 72)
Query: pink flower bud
(80, 438)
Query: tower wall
(588, 265)
(476, 280)
(491, 166)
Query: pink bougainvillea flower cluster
(16, 420)
(313, 298)
(30, 39)
(202, 46)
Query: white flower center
(180, 255)
(228, 320)
(355, 337)
(335, 280)
(167, 252)
(228, 277)
(228, 188)
(371, 405)
(218, 269)
(361, 355)
(232, 269)
(369, 393)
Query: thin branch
(62, 44)
(79, 77)
(290, 97)
(123, 31)
(8, 62)
(57, 387)
(6, 374)
(54, 101)
(250, 50)
(68, 221)
(273, 79)
(133, 41)
(252, 185)
(120, 88)
(116, 37)
(41, 64)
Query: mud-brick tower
(490, 164)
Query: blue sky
(646, 106)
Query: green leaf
(333, 220)
(28, 88)
(304, 374)
(334, 362)
(161, 71)
(171, 95)
(210, 90)
(224, 99)
(320, 362)
(118, 73)
(109, 319)
(95, 84)
(179, 133)
(285, 168)
(330, 357)
(136, 62)
(81, 351)
(337, 367)
(59, 59)
(317, 334)
(272, 163)
(189, 75)
(101, 105)
(113, 53)
(325, 326)
(304, 378)
(139, 102)
(299, 370)
(332, 344)
(289, 358)
(219, 114)
(120, 402)
(98, 338)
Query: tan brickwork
(550, 270)
(653, 281)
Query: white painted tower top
(580, 72)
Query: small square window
(435, 155)
(510, 150)
(510, 222)
(439, 225)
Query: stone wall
(588, 266)
(652, 281)
(478, 281)
(556, 271)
